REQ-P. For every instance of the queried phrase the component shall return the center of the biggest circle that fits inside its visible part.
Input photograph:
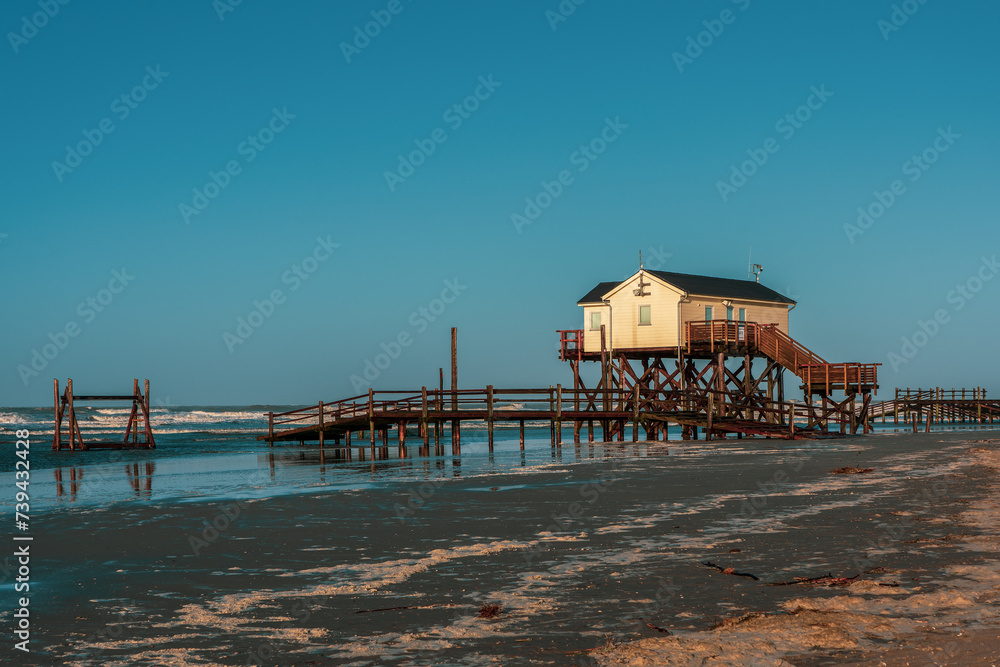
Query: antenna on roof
(750, 263)
(757, 270)
(640, 260)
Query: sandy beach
(590, 556)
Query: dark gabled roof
(594, 295)
(702, 286)
(728, 287)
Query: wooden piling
(711, 409)
(371, 420)
(552, 419)
(57, 413)
(559, 414)
(322, 437)
(576, 400)
(423, 419)
(150, 442)
(489, 415)
(635, 413)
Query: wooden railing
(720, 333)
(840, 376)
(570, 344)
(767, 339)
(785, 350)
(942, 404)
(940, 394)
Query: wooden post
(576, 399)
(708, 422)
(454, 366)
(791, 421)
(635, 412)
(135, 413)
(322, 438)
(270, 429)
(438, 424)
(559, 414)
(57, 416)
(455, 428)
(150, 443)
(720, 380)
(371, 420)
(423, 420)
(522, 435)
(552, 419)
(74, 430)
(489, 415)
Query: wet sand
(599, 544)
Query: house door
(741, 328)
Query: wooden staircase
(818, 375)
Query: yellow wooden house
(648, 311)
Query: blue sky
(208, 89)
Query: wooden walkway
(366, 420)
(937, 405)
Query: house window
(729, 312)
(708, 313)
(645, 316)
(595, 321)
(743, 314)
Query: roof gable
(700, 285)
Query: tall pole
(455, 434)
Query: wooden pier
(365, 421)
(715, 401)
(937, 406)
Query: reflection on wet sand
(327, 459)
(140, 481)
(75, 477)
(143, 486)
